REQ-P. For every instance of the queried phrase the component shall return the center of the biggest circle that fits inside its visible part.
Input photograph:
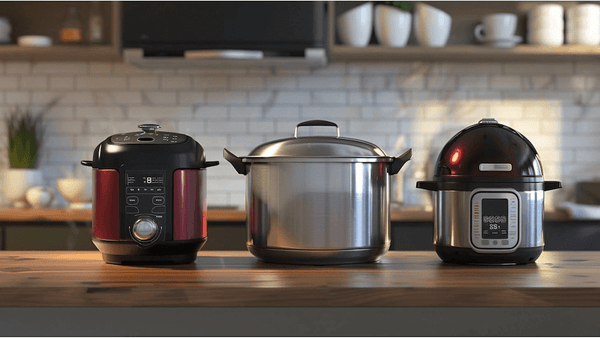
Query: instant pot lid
(488, 149)
(149, 146)
(324, 147)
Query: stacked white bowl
(583, 25)
(545, 25)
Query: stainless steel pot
(319, 199)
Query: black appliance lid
(151, 147)
(488, 149)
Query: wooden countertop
(214, 215)
(237, 279)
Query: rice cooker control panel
(495, 220)
(145, 201)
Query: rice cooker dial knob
(144, 228)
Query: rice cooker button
(505, 242)
(133, 200)
(485, 242)
(158, 210)
(158, 200)
(131, 210)
(495, 242)
(144, 228)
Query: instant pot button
(158, 200)
(130, 190)
(485, 242)
(160, 190)
(505, 242)
(158, 210)
(131, 210)
(133, 200)
(495, 242)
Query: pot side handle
(235, 161)
(399, 162)
(428, 185)
(551, 185)
(210, 164)
(87, 163)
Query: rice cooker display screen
(494, 218)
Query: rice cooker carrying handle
(551, 185)
(235, 161)
(321, 123)
(399, 162)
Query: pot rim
(316, 159)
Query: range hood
(204, 34)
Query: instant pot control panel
(495, 220)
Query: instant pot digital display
(494, 218)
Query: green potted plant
(25, 131)
(393, 22)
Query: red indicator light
(455, 156)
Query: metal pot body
(318, 212)
(457, 241)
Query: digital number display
(494, 218)
(144, 178)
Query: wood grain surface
(237, 279)
(214, 215)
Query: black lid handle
(149, 128)
(321, 123)
(235, 161)
(210, 164)
(87, 163)
(399, 162)
(428, 185)
(551, 185)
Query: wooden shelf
(522, 53)
(461, 46)
(46, 17)
(59, 53)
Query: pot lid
(149, 146)
(317, 146)
(488, 149)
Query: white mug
(356, 25)
(432, 26)
(392, 26)
(500, 26)
(546, 37)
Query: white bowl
(355, 26)
(39, 197)
(75, 190)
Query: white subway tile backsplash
(59, 68)
(281, 82)
(9, 82)
(58, 82)
(101, 68)
(159, 97)
(210, 82)
(190, 98)
(246, 82)
(143, 82)
(56, 112)
(292, 97)
(176, 82)
(512, 82)
(21, 98)
(542, 68)
(18, 67)
(329, 82)
(100, 112)
(557, 106)
(226, 97)
(329, 97)
(210, 112)
(119, 97)
(315, 112)
(473, 82)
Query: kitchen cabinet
(46, 18)
(461, 45)
(404, 294)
